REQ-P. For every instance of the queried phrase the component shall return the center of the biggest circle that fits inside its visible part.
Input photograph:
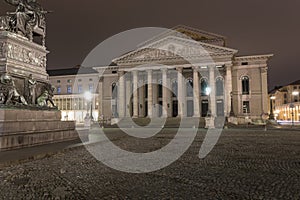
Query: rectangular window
(80, 89)
(58, 81)
(69, 89)
(91, 88)
(246, 107)
(58, 90)
(69, 81)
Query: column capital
(196, 68)
(179, 69)
(121, 73)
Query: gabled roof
(71, 71)
(189, 32)
(295, 83)
(195, 49)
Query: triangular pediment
(173, 47)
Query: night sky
(252, 27)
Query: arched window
(219, 86)
(189, 87)
(114, 91)
(204, 87)
(175, 88)
(245, 85)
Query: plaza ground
(244, 164)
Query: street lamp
(88, 97)
(271, 116)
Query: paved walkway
(245, 164)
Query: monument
(28, 115)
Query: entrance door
(175, 108)
(204, 108)
(190, 108)
(220, 108)
(160, 111)
(146, 108)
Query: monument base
(25, 128)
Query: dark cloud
(252, 27)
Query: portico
(172, 76)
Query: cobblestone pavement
(245, 164)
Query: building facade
(210, 80)
(285, 102)
(76, 92)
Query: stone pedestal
(25, 128)
(209, 122)
(20, 57)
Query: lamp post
(88, 97)
(271, 116)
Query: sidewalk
(17, 156)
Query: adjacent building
(76, 92)
(284, 102)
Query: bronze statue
(46, 97)
(12, 95)
(31, 90)
(28, 18)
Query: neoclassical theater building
(184, 73)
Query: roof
(188, 32)
(295, 83)
(71, 71)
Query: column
(100, 91)
(155, 96)
(150, 94)
(228, 90)
(180, 92)
(121, 97)
(128, 94)
(165, 92)
(135, 95)
(212, 86)
(196, 92)
(141, 94)
(264, 89)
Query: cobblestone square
(245, 164)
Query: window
(69, 81)
(175, 88)
(69, 89)
(79, 80)
(189, 87)
(58, 81)
(146, 91)
(219, 87)
(245, 63)
(114, 91)
(285, 95)
(58, 90)
(246, 107)
(160, 89)
(80, 89)
(91, 88)
(90, 79)
(295, 87)
(204, 87)
(245, 85)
